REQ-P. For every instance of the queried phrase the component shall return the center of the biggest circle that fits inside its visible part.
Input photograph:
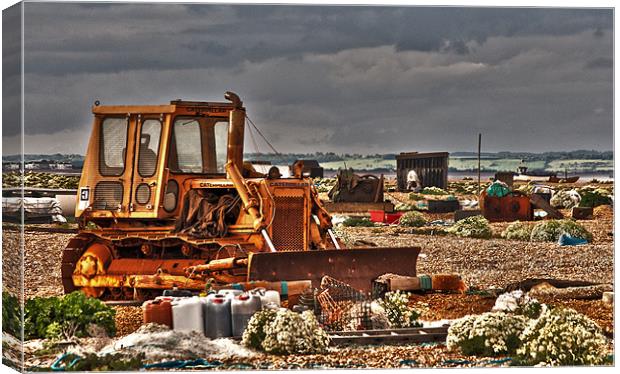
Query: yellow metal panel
(133, 109)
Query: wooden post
(479, 146)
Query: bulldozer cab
(140, 159)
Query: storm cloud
(330, 78)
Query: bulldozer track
(390, 336)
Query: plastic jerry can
(267, 297)
(230, 292)
(217, 314)
(175, 292)
(157, 311)
(271, 297)
(187, 314)
(242, 309)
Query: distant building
(37, 165)
(60, 165)
(311, 169)
(264, 166)
(431, 168)
(10, 166)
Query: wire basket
(339, 307)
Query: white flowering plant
(565, 199)
(283, 331)
(488, 334)
(562, 336)
(254, 333)
(518, 302)
(397, 310)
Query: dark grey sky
(343, 79)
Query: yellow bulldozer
(166, 201)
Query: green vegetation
(415, 196)
(108, 362)
(324, 184)
(550, 230)
(593, 197)
(580, 166)
(405, 207)
(493, 164)
(412, 219)
(518, 231)
(11, 312)
(74, 314)
(467, 187)
(357, 222)
(472, 227)
(433, 191)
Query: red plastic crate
(377, 216)
(383, 217)
(392, 217)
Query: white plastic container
(242, 309)
(267, 297)
(217, 314)
(230, 293)
(271, 297)
(187, 314)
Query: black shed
(432, 168)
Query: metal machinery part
(165, 201)
(351, 187)
(512, 207)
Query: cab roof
(174, 106)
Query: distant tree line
(39, 157)
(581, 154)
(288, 158)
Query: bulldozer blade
(356, 266)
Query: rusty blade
(355, 266)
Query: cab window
(149, 147)
(113, 146)
(198, 145)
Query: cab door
(112, 148)
(147, 165)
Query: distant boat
(531, 178)
(564, 180)
(542, 176)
